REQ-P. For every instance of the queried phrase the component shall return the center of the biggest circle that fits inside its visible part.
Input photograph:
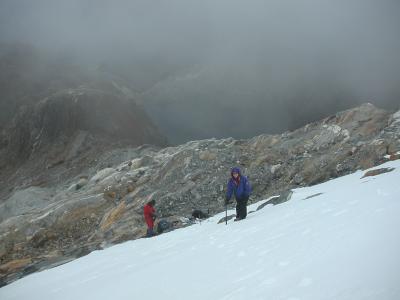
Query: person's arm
(247, 187)
(229, 192)
(153, 214)
(146, 212)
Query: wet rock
(225, 219)
(377, 172)
(282, 198)
(312, 196)
(394, 156)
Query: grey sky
(278, 54)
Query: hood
(237, 170)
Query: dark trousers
(150, 232)
(241, 207)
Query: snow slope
(342, 244)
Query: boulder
(207, 155)
(377, 172)
(81, 183)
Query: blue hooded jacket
(240, 191)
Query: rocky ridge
(61, 135)
(46, 225)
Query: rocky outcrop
(376, 172)
(69, 117)
(107, 207)
(65, 132)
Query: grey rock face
(107, 208)
(69, 117)
(24, 202)
(63, 135)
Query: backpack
(198, 214)
(163, 225)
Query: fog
(218, 68)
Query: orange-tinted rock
(15, 265)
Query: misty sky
(276, 60)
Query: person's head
(152, 202)
(235, 172)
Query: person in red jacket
(150, 215)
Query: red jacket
(149, 212)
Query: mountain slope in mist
(91, 194)
(56, 114)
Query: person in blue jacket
(238, 185)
